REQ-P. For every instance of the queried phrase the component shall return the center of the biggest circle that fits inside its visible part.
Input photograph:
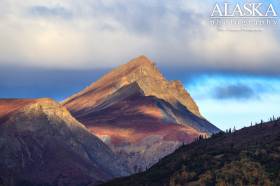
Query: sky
(54, 48)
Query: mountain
(250, 156)
(42, 144)
(139, 114)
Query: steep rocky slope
(138, 113)
(42, 144)
(148, 77)
(250, 156)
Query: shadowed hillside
(41, 144)
(250, 156)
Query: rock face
(42, 144)
(149, 79)
(138, 113)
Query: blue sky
(236, 100)
(53, 48)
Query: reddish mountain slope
(42, 144)
(138, 113)
(8, 106)
(140, 70)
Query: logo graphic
(244, 17)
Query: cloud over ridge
(93, 34)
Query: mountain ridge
(149, 78)
(139, 114)
(41, 143)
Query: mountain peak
(134, 107)
(137, 68)
(142, 71)
(140, 61)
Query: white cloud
(91, 34)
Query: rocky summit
(139, 114)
